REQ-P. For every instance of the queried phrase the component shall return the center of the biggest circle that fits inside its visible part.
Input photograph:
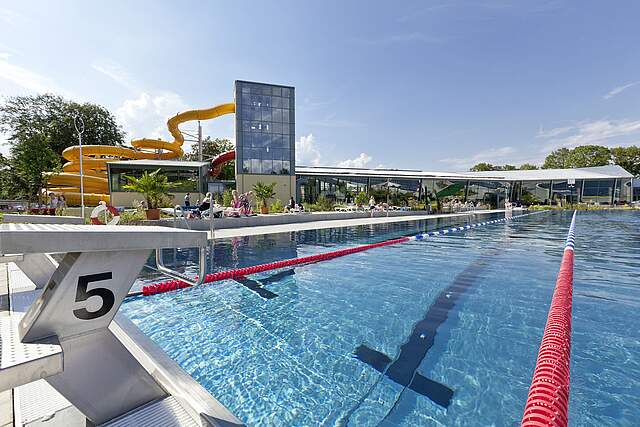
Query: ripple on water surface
(290, 360)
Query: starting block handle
(202, 268)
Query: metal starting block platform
(106, 368)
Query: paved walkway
(316, 225)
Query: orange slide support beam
(96, 157)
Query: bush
(361, 199)
(227, 197)
(276, 207)
(322, 205)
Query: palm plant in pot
(263, 193)
(155, 188)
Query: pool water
(342, 342)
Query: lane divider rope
(171, 285)
(548, 399)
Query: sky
(429, 85)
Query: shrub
(276, 207)
(324, 204)
(361, 199)
(227, 197)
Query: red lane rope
(171, 285)
(548, 400)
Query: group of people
(240, 205)
(58, 203)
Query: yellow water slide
(95, 158)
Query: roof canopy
(600, 172)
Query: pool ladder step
(163, 412)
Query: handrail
(177, 208)
(202, 268)
(548, 400)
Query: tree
(154, 186)
(558, 159)
(586, 156)
(23, 176)
(39, 128)
(527, 167)
(212, 148)
(51, 116)
(507, 168)
(483, 167)
(583, 156)
(628, 158)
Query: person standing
(62, 204)
(187, 200)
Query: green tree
(586, 156)
(628, 158)
(507, 168)
(558, 159)
(212, 148)
(482, 167)
(23, 176)
(527, 167)
(51, 117)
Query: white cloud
(619, 89)
(362, 161)
(146, 116)
(116, 72)
(493, 155)
(27, 79)
(307, 152)
(602, 132)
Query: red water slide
(218, 162)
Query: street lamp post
(78, 123)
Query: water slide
(95, 158)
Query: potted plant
(263, 193)
(155, 188)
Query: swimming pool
(305, 346)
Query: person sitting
(206, 203)
(290, 206)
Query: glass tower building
(265, 129)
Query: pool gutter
(194, 398)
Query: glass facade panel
(265, 121)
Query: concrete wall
(285, 185)
(126, 199)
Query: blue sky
(424, 85)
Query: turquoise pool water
(305, 346)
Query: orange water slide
(96, 157)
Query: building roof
(599, 172)
(360, 172)
(159, 163)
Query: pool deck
(337, 223)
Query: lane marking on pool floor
(172, 285)
(403, 369)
